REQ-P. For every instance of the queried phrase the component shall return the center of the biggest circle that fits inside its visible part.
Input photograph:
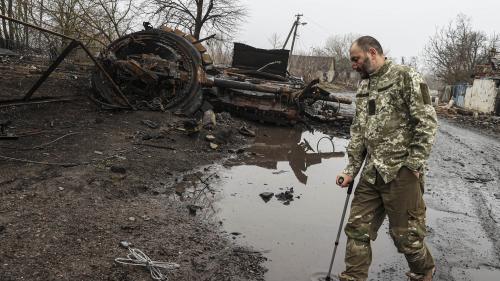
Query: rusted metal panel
(248, 57)
(264, 107)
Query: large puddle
(297, 236)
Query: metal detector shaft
(349, 191)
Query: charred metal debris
(165, 69)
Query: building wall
(481, 96)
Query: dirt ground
(485, 124)
(107, 178)
(463, 187)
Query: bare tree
(454, 51)
(95, 22)
(220, 51)
(275, 41)
(201, 16)
(493, 43)
(105, 20)
(410, 61)
(13, 35)
(338, 47)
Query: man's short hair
(367, 42)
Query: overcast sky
(403, 27)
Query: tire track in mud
(477, 171)
(482, 208)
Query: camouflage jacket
(394, 125)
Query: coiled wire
(157, 269)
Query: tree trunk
(25, 14)
(4, 25)
(198, 21)
(40, 23)
(10, 41)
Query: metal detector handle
(349, 191)
(351, 184)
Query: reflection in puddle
(300, 150)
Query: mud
(485, 123)
(65, 223)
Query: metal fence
(458, 94)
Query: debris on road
(209, 120)
(286, 197)
(193, 209)
(118, 169)
(150, 124)
(246, 132)
(472, 119)
(266, 196)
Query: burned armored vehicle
(166, 69)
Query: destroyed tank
(166, 69)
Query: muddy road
(463, 187)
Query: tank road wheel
(155, 69)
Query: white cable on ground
(156, 268)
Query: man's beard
(366, 69)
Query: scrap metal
(166, 69)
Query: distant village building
(484, 94)
(491, 69)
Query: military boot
(420, 277)
(343, 277)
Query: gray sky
(403, 27)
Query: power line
(323, 29)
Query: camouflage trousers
(401, 200)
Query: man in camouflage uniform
(393, 132)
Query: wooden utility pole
(294, 28)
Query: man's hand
(347, 180)
(417, 174)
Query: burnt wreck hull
(165, 69)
